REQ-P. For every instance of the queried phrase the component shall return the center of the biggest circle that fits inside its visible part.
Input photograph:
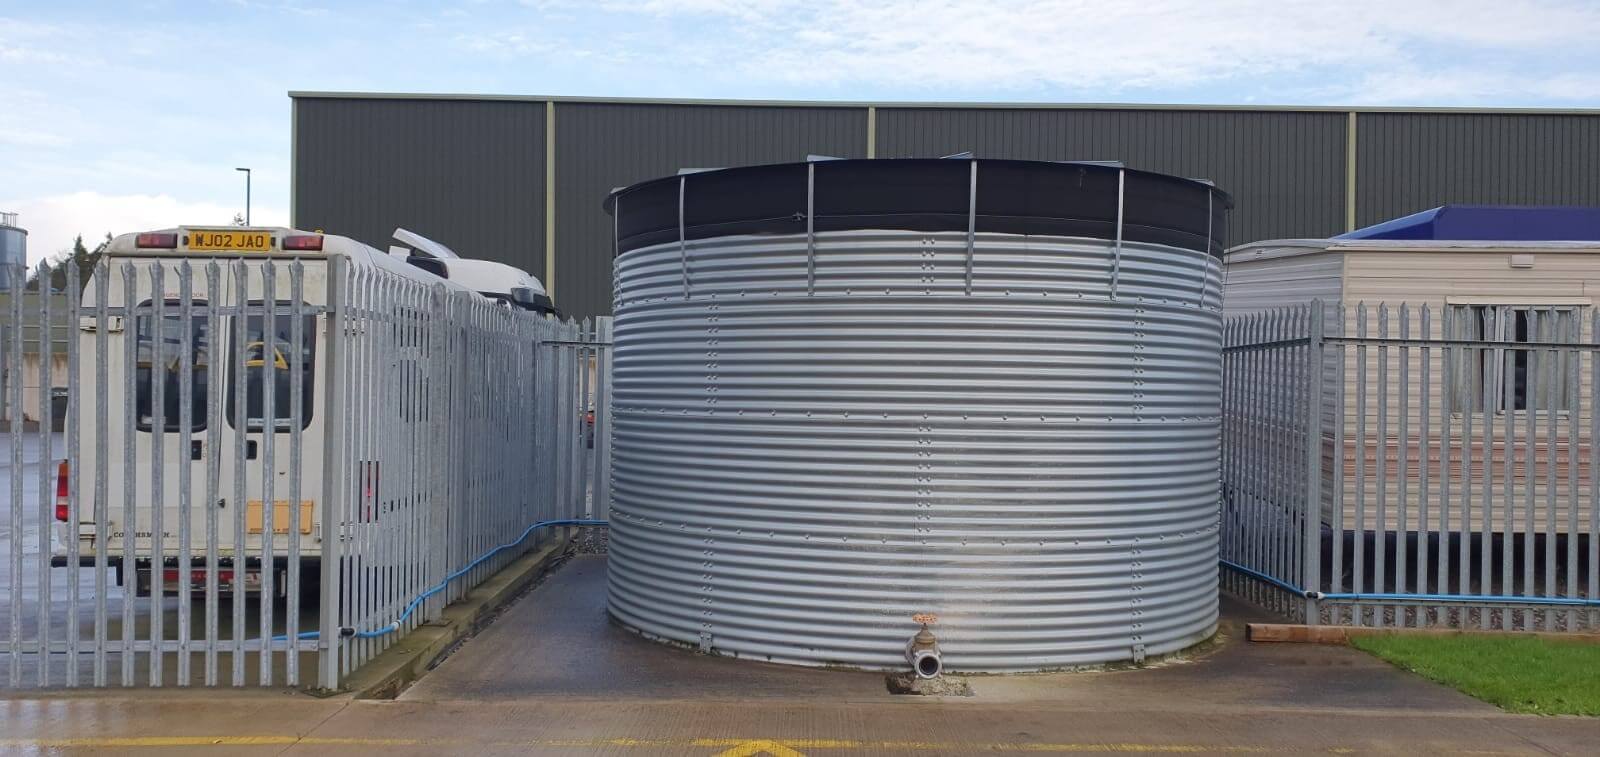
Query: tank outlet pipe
(922, 650)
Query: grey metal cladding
(1415, 161)
(1285, 170)
(471, 172)
(601, 146)
(468, 174)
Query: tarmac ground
(552, 675)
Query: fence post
(1311, 580)
(601, 506)
(334, 469)
(446, 538)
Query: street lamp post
(246, 194)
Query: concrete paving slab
(684, 727)
(160, 722)
(553, 676)
(410, 657)
(559, 642)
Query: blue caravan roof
(1497, 223)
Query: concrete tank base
(1209, 641)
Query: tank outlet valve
(922, 650)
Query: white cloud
(52, 222)
(504, 44)
(31, 137)
(283, 7)
(111, 136)
(507, 44)
(1467, 85)
(1126, 46)
(29, 42)
(16, 54)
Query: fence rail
(274, 468)
(1399, 465)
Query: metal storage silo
(851, 391)
(13, 248)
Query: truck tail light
(312, 242)
(369, 475)
(156, 241)
(63, 492)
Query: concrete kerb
(1338, 635)
(413, 655)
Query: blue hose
(1259, 576)
(1464, 598)
(1380, 597)
(417, 602)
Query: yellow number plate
(254, 520)
(223, 239)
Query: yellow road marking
(759, 746)
(148, 742)
(732, 747)
(973, 746)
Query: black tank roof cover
(1013, 196)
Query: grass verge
(1517, 673)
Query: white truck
(143, 486)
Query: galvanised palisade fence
(411, 437)
(1412, 466)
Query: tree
(80, 255)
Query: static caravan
(1449, 257)
(1458, 405)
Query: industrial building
(511, 178)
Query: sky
(127, 115)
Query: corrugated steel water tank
(851, 391)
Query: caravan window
(276, 350)
(1499, 377)
(160, 352)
